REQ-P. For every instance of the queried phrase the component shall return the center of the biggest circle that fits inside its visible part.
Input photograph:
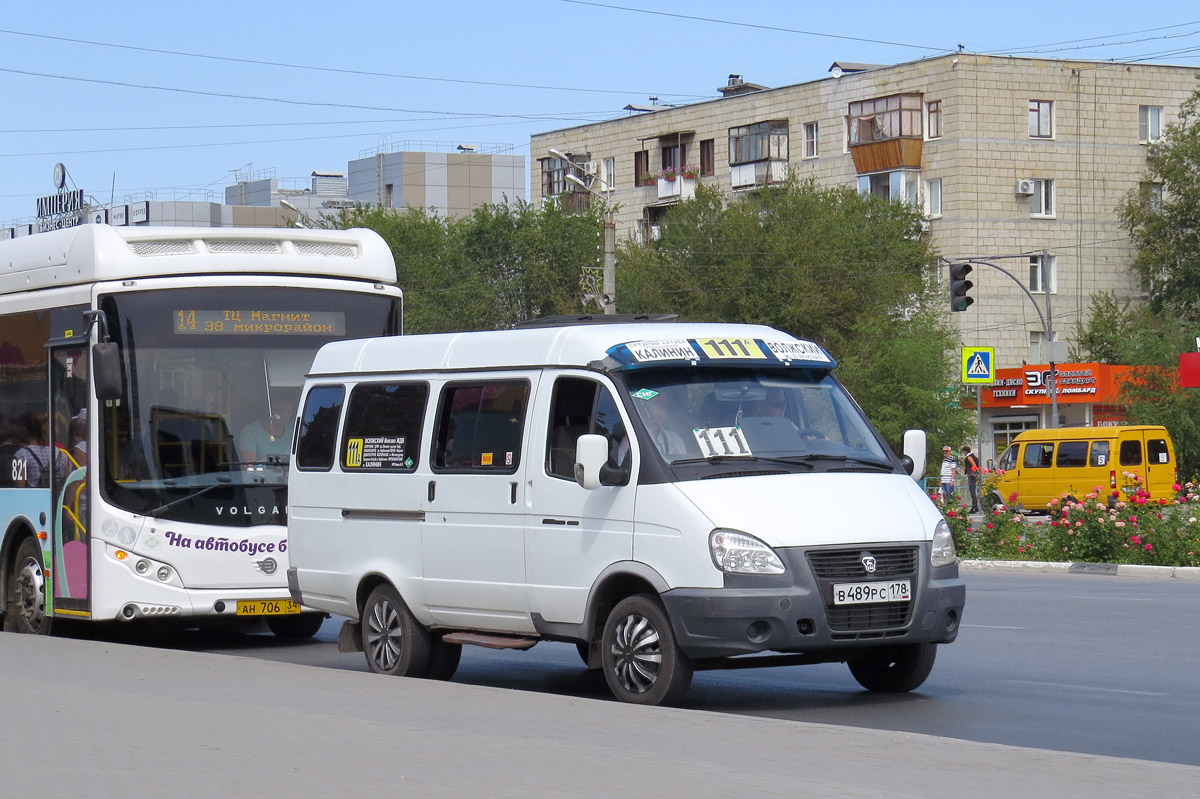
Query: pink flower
(1175, 487)
(1116, 493)
(950, 513)
(1135, 539)
(990, 525)
(1149, 547)
(1133, 519)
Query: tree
(501, 265)
(1163, 216)
(1120, 333)
(847, 270)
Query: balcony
(677, 188)
(885, 133)
(758, 173)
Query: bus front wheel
(27, 594)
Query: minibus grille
(847, 564)
(852, 618)
(330, 248)
(161, 247)
(244, 246)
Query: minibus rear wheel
(642, 662)
(394, 641)
(894, 669)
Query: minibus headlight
(942, 552)
(738, 553)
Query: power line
(1030, 47)
(753, 25)
(318, 103)
(336, 70)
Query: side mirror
(591, 454)
(106, 370)
(913, 448)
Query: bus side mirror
(591, 454)
(913, 458)
(106, 370)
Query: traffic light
(959, 286)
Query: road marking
(1121, 598)
(992, 627)
(1086, 688)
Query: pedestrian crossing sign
(978, 365)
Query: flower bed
(1121, 526)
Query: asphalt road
(1078, 663)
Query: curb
(1107, 569)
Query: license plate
(266, 607)
(860, 593)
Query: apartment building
(1006, 156)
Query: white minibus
(667, 496)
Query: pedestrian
(971, 467)
(949, 472)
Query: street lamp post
(608, 297)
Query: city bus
(148, 382)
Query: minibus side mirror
(913, 457)
(591, 454)
(106, 370)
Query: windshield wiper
(742, 459)
(222, 480)
(824, 456)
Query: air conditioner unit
(1026, 186)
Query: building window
(894, 117)
(672, 157)
(1043, 274)
(554, 176)
(757, 142)
(1038, 351)
(1153, 195)
(1041, 202)
(1149, 123)
(641, 168)
(897, 186)
(933, 198)
(933, 119)
(1041, 119)
(608, 174)
(811, 138)
(708, 157)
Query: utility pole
(608, 295)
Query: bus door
(69, 445)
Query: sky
(167, 101)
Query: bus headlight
(942, 553)
(737, 553)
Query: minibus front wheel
(894, 669)
(394, 641)
(641, 660)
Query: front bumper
(794, 612)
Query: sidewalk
(104, 720)
(1110, 569)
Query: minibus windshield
(794, 415)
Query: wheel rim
(384, 635)
(31, 594)
(637, 649)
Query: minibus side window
(480, 426)
(1009, 459)
(318, 427)
(1099, 456)
(1072, 454)
(570, 409)
(1156, 451)
(383, 427)
(1039, 456)
(1131, 453)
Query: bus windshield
(747, 415)
(203, 430)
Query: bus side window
(1039, 456)
(1131, 453)
(1157, 452)
(1099, 455)
(1072, 454)
(318, 427)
